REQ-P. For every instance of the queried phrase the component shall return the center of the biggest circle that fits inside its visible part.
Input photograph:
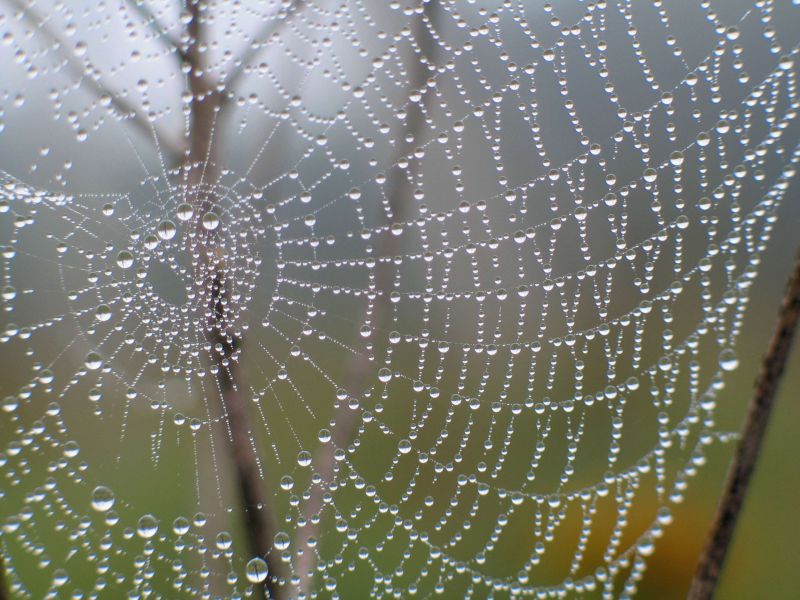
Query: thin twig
(201, 167)
(153, 23)
(361, 366)
(92, 80)
(741, 470)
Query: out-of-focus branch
(153, 23)
(360, 368)
(200, 167)
(741, 470)
(91, 79)
(256, 44)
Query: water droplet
(728, 360)
(166, 230)
(304, 458)
(256, 570)
(224, 540)
(281, 540)
(147, 526)
(10, 403)
(180, 526)
(210, 221)
(645, 546)
(102, 498)
(184, 212)
(103, 312)
(124, 260)
(93, 361)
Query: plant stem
(741, 470)
(361, 366)
(201, 167)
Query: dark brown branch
(257, 43)
(201, 167)
(153, 23)
(92, 80)
(741, 470)
(361, 367)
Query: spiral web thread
(564, 300)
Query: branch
(152, 21)
(741, 470)
(256, 44)
(361, 367)
(201, 166)
(94, 82)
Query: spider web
(488, 262)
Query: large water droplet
(256, 570)
(147, 526)
(210, 221)
(102, 498)
(184, 212)
(304, 458)
(166, 230)
(124, 260)
(281, 540)
(93, 361)
(103, 312)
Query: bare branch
(257, 43)
(201, 166)
(153, 23)
(741, 470)
(361, 367)
(88, 75)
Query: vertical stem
(741, 470)
(225, 346)
(360, 366)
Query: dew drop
(184, 212)
(210, 221)
(102, 498)
(281, 540)
(728, 360)
(93, 361)
(147, 526)
(124, 260)
(180, 526)
(304, 458)
(166, 230)
(256, 570)
(645, 546)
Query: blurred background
(334, 128)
